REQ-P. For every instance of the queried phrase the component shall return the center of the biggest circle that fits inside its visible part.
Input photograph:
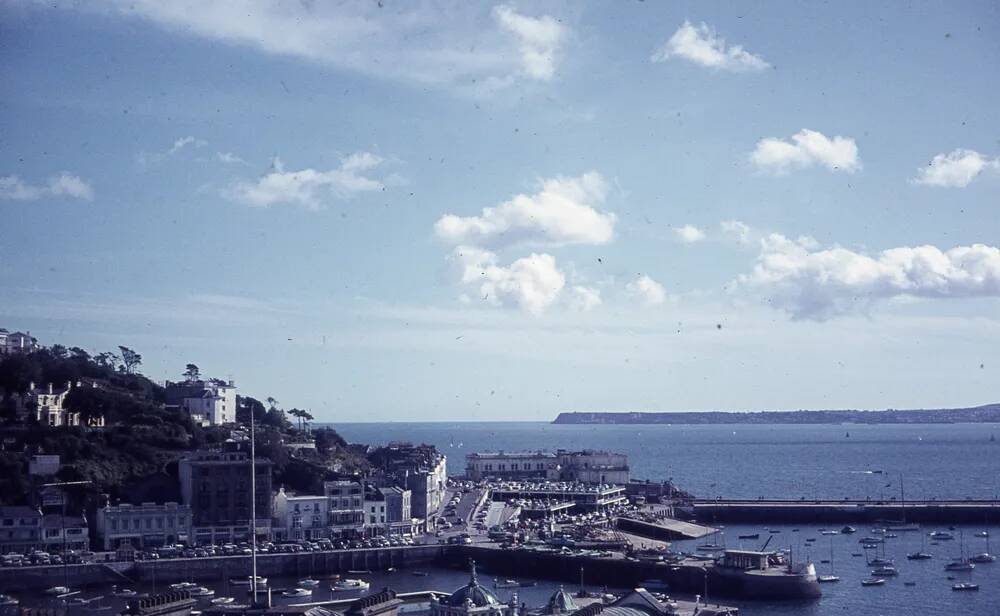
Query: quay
(664, 529)
(802, 510)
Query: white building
(48, 406)
(346, 507)
(298, 517)
(586, 466)
(209, 403)
(143, 526)
(17, 342)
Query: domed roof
(480, 597)
(561, 602)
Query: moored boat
(200, 592)
(297, 593)
(222, 601)
(965, 586)
(308, 583)
(872, 582)
(348, 585)
(261, 581)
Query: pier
(794, 511)
(664, 529)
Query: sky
(423, 211)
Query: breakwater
(166, 571)
(846, 511)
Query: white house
(48, 406)
(298, 517)
(207, 402)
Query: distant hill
(989, 413)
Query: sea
(939, 461)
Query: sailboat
(827, 579)
(983, 557)
(902, 525)
(961, 563)
(921, 555)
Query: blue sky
(502, 211)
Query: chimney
(31, 386)
(50, 387)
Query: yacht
(827, 579)
(261, 581)
(847, 530)
(873, 582)
(125, 593)
(200, 592)
(887, 571)
(184, 586)
(959, 565)
(918, 556)
(297, 593)
(750, 536)
(882, 562)
(984, 557)
(982, 534)
(506, 584)
(348, 585)
(965, 586)
(57, 590)
(308, 583)
(223, 601)
(940, 535)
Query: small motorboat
(125, 593)
(959, 565)
(810, 539)
(965, 586)
(297, 592)
(982, 534)
(941, 535)
(872, 582)
(8, 601)
(885, 572)
(184, 586)
(829, 532)
(308, 583)
(223, 601)
(261, 581)
(506, 584)
(984, 557)
(57, 590)
(774, 531)
(827, 579)
(753, 536)
(200, 592)
(348, 585)
(918, 556)
(857, 554)
(419, 573)
(78, 601)
(881, 562)
(848, 530)
(909, 583)
(891, 536)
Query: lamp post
(62, 498)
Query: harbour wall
(165, 571)
(772, 511)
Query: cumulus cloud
(956, 169)
(810, 282)
(646, 291)
(807, 148)
(583, 298)
(538, 40)
(736, 229)
(563, 211)
(408, 41)
(689, 234)
(308, 188)
(63, 185)
(531, 283)
(701, 45)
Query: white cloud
(63, 185)
(411, 42)
(701, 45)
(647, 291)
(813, 283)
(538, 40)
(955, 169)
(229, 158)
(689, 234)
(584, 299)
(807, 148)
(562, 212)
(183, 142)
(308, 188)
(736, 229)
(531, 283)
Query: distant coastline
(989, 413)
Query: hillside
(989, 413)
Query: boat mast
(902, 498)
(253, 514)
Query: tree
(130, 359)
(107, 359)
(192, 373)
(58, 351)
(306, 418)
(297, 414)
(327, 439)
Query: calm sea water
(834, 461)
(939, 461)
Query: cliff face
(989, 413)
